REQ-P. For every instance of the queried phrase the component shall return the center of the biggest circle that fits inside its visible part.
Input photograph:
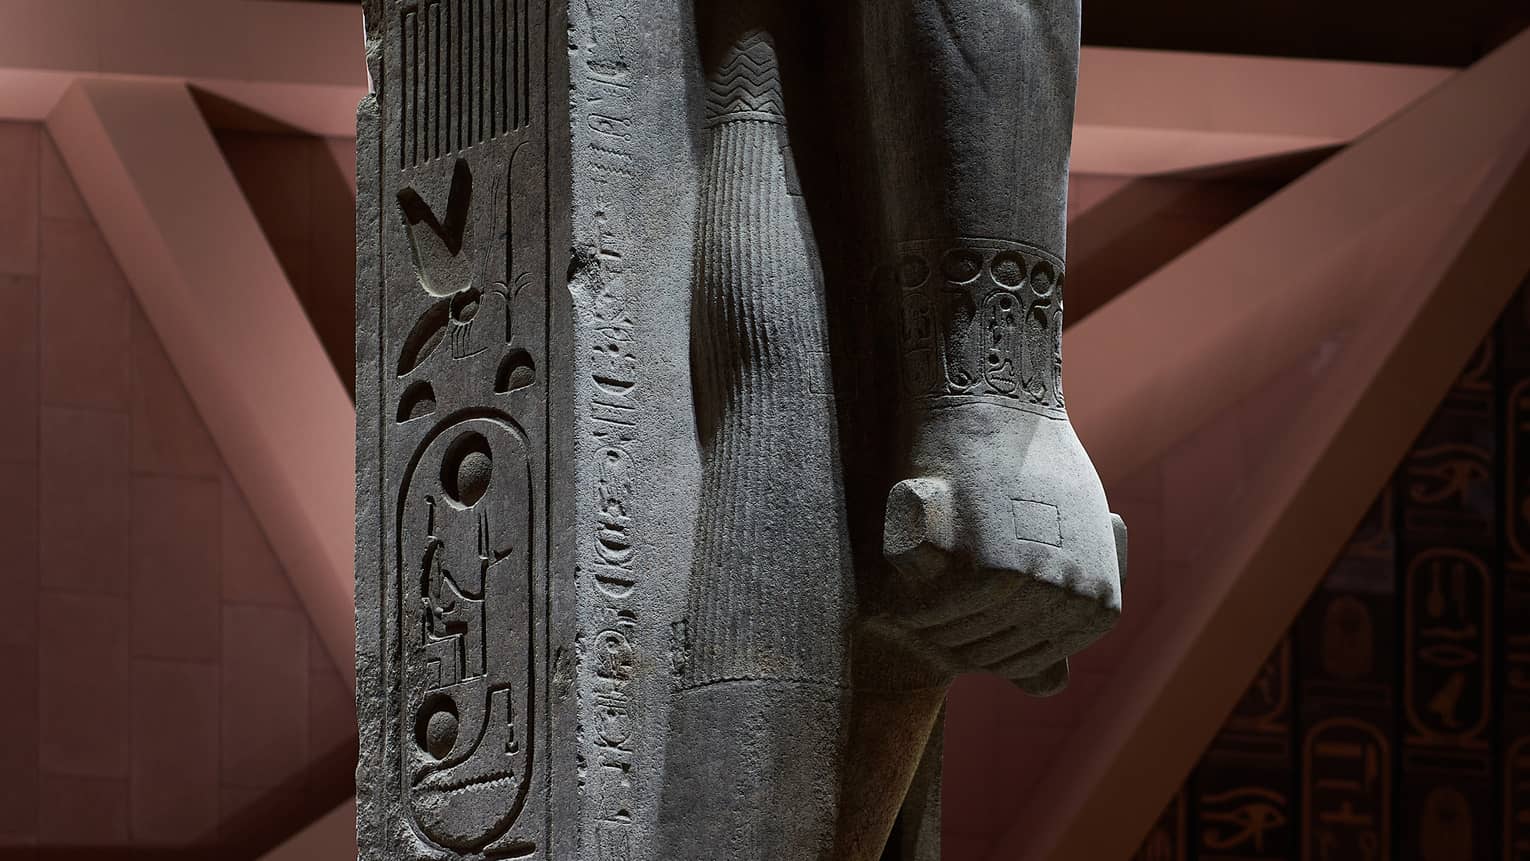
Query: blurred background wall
(166, 686)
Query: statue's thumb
(918, 531)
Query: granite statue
(710, 418)
(814, 696)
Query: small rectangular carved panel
(458, 378)
(1036, 521)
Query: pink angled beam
(299, 63)
(179, 225)
(1142, 113)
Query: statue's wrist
(980, 322)
(940, 440)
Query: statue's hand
(1007, 558)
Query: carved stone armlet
(981, 322)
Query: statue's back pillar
(463, 620)
(527, 467)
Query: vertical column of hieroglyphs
(1244, 787)
(1448, 530)
(1346, 647)
(459, 406)
(611, 558)
(1513, 656)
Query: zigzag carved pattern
(748, 81)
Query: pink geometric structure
(1144, 113)
(139, 583)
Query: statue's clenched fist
(1007, 558)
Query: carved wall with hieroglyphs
(1393, 719)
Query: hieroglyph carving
(466, 532)
(461, 405)
(1447, 643)
(612, 558)
(1347, 767)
